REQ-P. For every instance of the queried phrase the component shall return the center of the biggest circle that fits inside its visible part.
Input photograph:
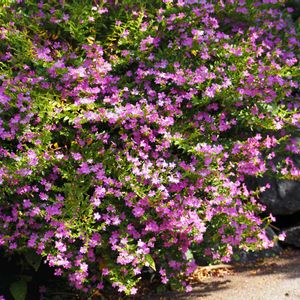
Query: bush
(128, 130)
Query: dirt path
(273, 279)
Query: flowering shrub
(128, 131)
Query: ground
(275, 278)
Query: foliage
(128, 129)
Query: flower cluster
(128, 131)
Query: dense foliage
(128, 129)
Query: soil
(275, 278)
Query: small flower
(282, 236)
(188, 288)
(77, 156)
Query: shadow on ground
(288, 265)
(273, 278)
(199, 290)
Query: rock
(283, 198)
(293, 236)
(289, 189)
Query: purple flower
(138, 211)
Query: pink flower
(77, 156)
(105, 272)
(138, 211)
(60, 246)
(282, 236)
(84, 168)
(188, 288)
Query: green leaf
(189, 255)
(18, 290)
(33, 259)
(150, 261)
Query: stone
(287, 200)
(293, 236)
(283, 198)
